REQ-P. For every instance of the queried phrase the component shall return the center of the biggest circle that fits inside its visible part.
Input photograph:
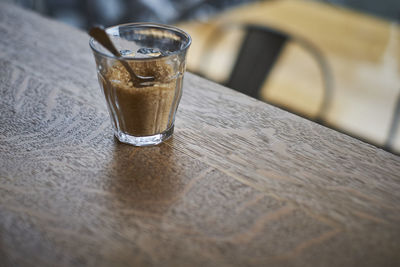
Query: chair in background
(258, 53)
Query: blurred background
(83, 13)
(336, 62)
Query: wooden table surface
(241, 183)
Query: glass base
(149, 140)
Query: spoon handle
(100, 35)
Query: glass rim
(145, 24)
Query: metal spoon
(100, 35)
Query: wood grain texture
(241, 183)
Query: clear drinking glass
(142, 114)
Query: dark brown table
(241, 183)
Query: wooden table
(241, 183)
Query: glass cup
(142, 113)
